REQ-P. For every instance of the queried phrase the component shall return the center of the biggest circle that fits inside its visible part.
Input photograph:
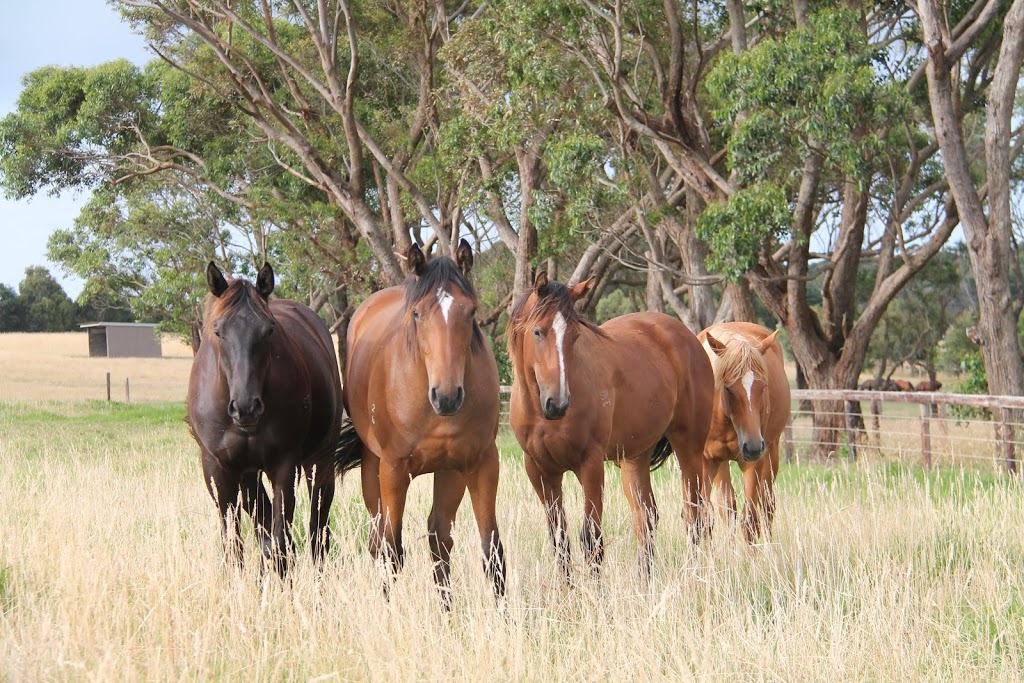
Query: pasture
(111, 568)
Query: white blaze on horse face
(444, 300)
(559, 327)
(748, 384)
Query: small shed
(123, 340)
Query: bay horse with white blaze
(264, 396)
(752, 406)
(421, 388)
(630, 391)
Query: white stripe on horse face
(559, 327)
(748, 384)
(444, 300)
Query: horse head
(543, 330)
(440, 307)
(741, 375)
(239, 324)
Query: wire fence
(927, 427)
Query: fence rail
(932, 432)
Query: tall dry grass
(111, 570)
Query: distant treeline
(40, 304)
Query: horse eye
(536, 332)
(415, 314)
(472, 313)
(270, 331)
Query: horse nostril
(232, 408)
(257, 406)
(459, 395)
(433, 395)
(549, 406)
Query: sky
(34, 34)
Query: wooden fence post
(1009, 451)
(926, 434)
(852, 412)
(127, 392)
(108, 386)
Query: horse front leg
(449, 489)
(223, 486)
(548, 486)
(483, 492)
(759, 488)
(283, 480)
(394, 487)
(636, 483)
(320, 482)
(257, 504)
(591, 476)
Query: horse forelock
(440, 275)
(740, 357)
(553, 299)
(240, 293)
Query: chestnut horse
(752, 405)
(264, 396)
(421, 388)
(630, 391)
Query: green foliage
(12, 313)
(736, 229)
(810, 84)
(612, 304)
(46, 307)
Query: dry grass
(35, 367)
(110, 568)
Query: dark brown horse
(421, 387)
(752, 405)
(630, 391)
(264, 396)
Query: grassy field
(110, 568)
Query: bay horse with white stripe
(264, 396)
(752, 406)
(630, 391)
(421, 388)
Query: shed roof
(88, 325)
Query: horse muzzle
(555, 409)
(246, 412)
(752, 451)
(447, 405)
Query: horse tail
(349, 453)
(662, 450)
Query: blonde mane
(741, 356)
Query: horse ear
(215, 281)
(579, 291)
(767, 342)
(415, 261)
(715, 345)
(464, 257)
(265, 281)
(541, 283)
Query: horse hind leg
(591, 476)
(320, 483)
(696, 485)
(449, 489)
(483, 493)
(223, 486)
(369, 473)
(636, 483)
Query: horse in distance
(264, 397)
